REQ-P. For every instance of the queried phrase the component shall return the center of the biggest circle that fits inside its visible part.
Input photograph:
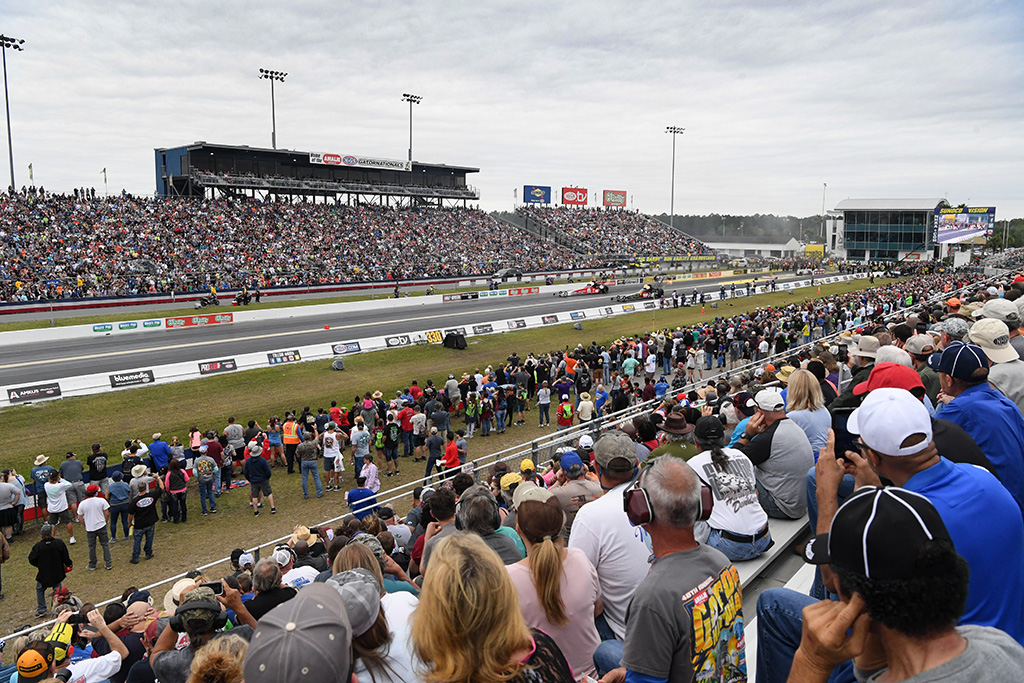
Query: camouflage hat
(371, 542)
(198, 595)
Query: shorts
(256, 488)
(328, 464)
(9, 517)
(419, 440)
(76, 494)
(62, 517)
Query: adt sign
(537, 194)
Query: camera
(78, 618)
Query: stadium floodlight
(411, 99)
(14, 44)
(673, 131)
(268, 75)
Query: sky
(874, 99)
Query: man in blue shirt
(661, 387)
(40, 475)
(991, 419)
(361, 500)
(159, 452)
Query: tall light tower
(411, 99)
(14, 44)
(673, 131)
(267, 74)
(824, 187)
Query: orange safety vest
(291, 432)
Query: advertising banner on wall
(614, 197)
(961, 224)
(128, 379)
(536, 194)
(33, 392)
(355, 161)
(574, 196)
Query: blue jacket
(996, 425)
(987, 530)
(256, 469)
(160, 452)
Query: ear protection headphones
(496, 521)
(213, 623)
(637, 503)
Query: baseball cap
(360, 592)
(586, 441)
(954, 327)
(961, 360)
(156, 435)
(920, 345)
(769, 400)
(887, 418)
(526, 464)
(34, 662)
(615, 451)
(893, 376)
(877, 533)
(385, 513)
(246, 561)
(571, 460)
(283, 555)
(709, 429)
(530, 492)
(1000, 309)
(744, 403)
(307, 638)
(867, 346)
(60, 638)
(201, 612)
(139, 596)
(92, 489)
(433, 430)
(953, 302)
(993, 336)
(510, 479)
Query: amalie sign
(198, 320)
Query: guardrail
(532, 449)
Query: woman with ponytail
(738, 525)
(558, 588)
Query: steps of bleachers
(784, 533)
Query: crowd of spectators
(901, 440)
(615, 232)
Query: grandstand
(613, 234)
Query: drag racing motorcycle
(242, 299)
(207, 300)
(593, 287)
(648, 291)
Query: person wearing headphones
(51, 658)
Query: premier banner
(355, 161)
(574, 196)
(536, 194)
(615, 198)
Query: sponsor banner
(435, 337)
(614, 197)
(483, 329)
(536, 194)
(128, 326)
(456, 330)
(576, 315)
(516, 324)
(674, 259)
(214, 366)
(127, 379)
(345, 347)
(33, 392)
(105, 327)
(522, 291)
(398, 340)
(955, 224)
(575, 196)
(609, 311)
(199, 320)
(649, 305)
(493, 292)
(464, 296)
(355, 161)
(628, 307)
(549, 319)
(816, 250)
(149, 324)
(278, 357)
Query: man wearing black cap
(893, 559)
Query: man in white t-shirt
(331, 443)
(293, 576)
(616, 548)
(45, 659)
(57, 503)
(401, 532)
(94, 513)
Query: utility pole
(14, 44)
(673, 131)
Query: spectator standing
(97, 464)
(40, 474)
(94, 513)
(291, 437)
(52, 561)
(544, 404)
(71, 471)
(331, 443)
(120, 503)
(370, 473)
(204, 467)
(307, 455)
(565, 413)
(142, 518)
(361, 500)
(10, 496)
(57, 505)
(360, 440)
(257, 471)
(159, 452)
(176, 484)
(435, 451)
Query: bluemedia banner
(537, 194)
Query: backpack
(566, 410)
(379, 438)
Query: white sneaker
(72, 541)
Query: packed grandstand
(59, 246)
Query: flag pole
(105, 192)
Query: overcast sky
(876, 99)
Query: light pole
(14, 44)
(267, 74)
(411, 99)
(824, 186)
(673, 131)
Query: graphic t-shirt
(736, 507)
(332, 447)
(361, 442)
(685, 622)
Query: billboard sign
(960, 224)
(198, 320)
(214, 366)
(356, 161)
(278, 357)
(345, 347)
(614, 197)
(575, 196)
(33, 392)
(536, 194)
(127, 379)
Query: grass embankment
(54, 427)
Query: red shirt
(416, 392)
(405, 417)
(335, 413)
(215, 451)
(451, 455)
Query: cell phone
(216, 586)
(78, 618)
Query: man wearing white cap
(862, 350)
(781, 455)
(1007, 370)
(1009, 313)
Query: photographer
(47, 659)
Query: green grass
(72, 424)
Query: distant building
(883, 230)
(764, 246)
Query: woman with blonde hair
(549, 599)
(805, 405)
(219, 661)
(469, 629)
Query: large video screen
(961, 224)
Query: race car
(648, 291)
(593, 287)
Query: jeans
(485, 426)
(500, 417)
(544, 409)
(119, 510)
(206, 494)
(225, 476)
(179, 508)
(604, 631)
(737, 552)
(101, 535)
(708, 358)
(407, 444)
(307, 467)
(41, 596)
(358, 464)
(845, 489)
(608, 656)
(148, 532)
(431, 463)
(216, 481)
(764, 497)
(779, 627)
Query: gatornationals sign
(355, 161)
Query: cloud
(873, 98)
